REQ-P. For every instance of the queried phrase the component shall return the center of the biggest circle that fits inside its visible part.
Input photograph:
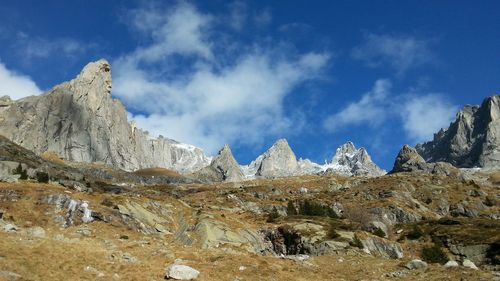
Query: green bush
(42, 177)
(379, 232)
(309, 208)
(434, 254)
(332, 233)
(273, 216)
(415, 233)
(19, 171)
(356, 242)
(290, 209)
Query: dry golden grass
(53, 157)
(157, 172)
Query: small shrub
(42, 177)
(415, 233)
(332, 233)
(273, 216)
(290, 209)
(434, 254)
(19, 171)
(490, 201)
(311, 208)
(379, 232)
(356, 242)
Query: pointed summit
(351, 161)
(227, 166)
(407, 160)
(277, 161)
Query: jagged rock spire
(278, 161)
(228, 167)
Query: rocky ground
(351, 228)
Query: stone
(181, 272)
(36, 232)
(80, 121)
(416, 264)
(10, 227)
(472, 140)
(469, 264)
(9, 275)
(382, 247)
(451, 264)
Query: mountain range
(80, 121)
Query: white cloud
(371, 109)
(400, 53)
(421, 114)
(217, 98)
(425, 115)
(38, 47)
(182, 30)
(16, 85)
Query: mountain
(280, 161)
(80, 121)
(472, 140)
(222, 168)
(353, 162)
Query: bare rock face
(408, 160)
(353, 162)
(472, 140)
(222, 168)
(277, 161)
(80, 121)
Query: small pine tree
(273, 215)
(434, 254)
(290, 209)
(19, 171)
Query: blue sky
(319, 73)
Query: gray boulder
(416, 264)
(181, 272)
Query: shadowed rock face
(80, 121)
(225, 163)
(472, 140)
(408, 160)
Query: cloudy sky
(319, 73)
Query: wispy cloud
(424, 115)
(32, 47)
(370, 109)
(16, 85)
(398, 52)
(218, 97)
(421, 114)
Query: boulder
(469, 264)
(451, 264)
(416, 264)
(181, 272)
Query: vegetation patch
(434, 254)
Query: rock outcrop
(408, 160)
(472, 140)
(80, 121)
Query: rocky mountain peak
(226, 165)
(407, 157)
(79, 121)
(349, 160)
(472, 140)
(278, 161)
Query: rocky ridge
(80, 121)
(472, 140)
